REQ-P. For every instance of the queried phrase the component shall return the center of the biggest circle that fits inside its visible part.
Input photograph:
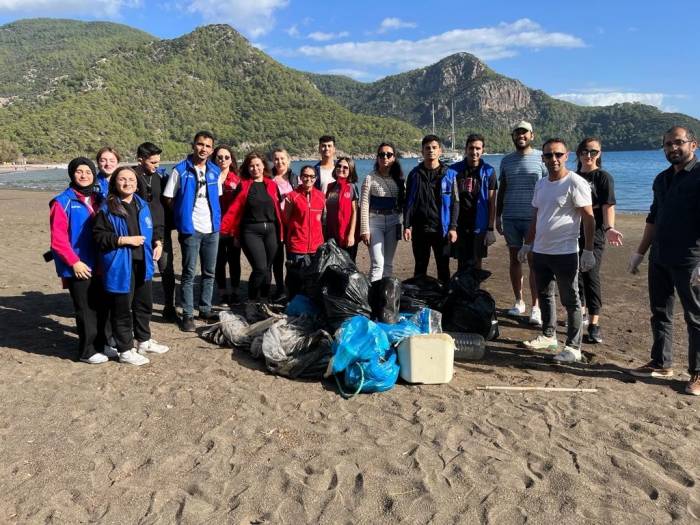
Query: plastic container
(427, 358)
(469, 347)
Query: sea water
(632, 171)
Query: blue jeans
(382, 244)
(205, 245)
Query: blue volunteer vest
(117, 264)
(184, 200)
(482, 202)
(79, 232)
(446, 184)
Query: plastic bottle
(468, 346)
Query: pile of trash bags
(338, 324)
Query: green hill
(164, 91)
(489, 103)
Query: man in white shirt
(193, 190)
(560, 201)
(324, 168)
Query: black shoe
(208, 316)
(594, 335)
(187, 324)
(170, 314)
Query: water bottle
(468, 346)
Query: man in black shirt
(673, 232)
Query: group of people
(113, 225)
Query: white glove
(695, 276)
(522, 253)
(587, 261)
(490, 238)
(635, 260)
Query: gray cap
(523, 124)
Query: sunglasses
(557, 154)
(223, 157)
(678, 143)
(589, 152)
(385, 154)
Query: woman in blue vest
(72, 216)
(123, 233)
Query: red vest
(231, 221)
(304, 228)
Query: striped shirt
(375, 185)
(520, 174)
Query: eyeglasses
(340, 167)
(678, 143)
(307, 176)
(557, 154)
(223, 157)
(385, 154)
(589, 152)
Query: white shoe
(152, 346)
(568, 355)
(535, 316)
(542, 342)
(518, 309)
(96, 359)
(132, 357)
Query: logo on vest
(148, 222)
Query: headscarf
(72, 166)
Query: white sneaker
(96, 359)
(542, 342)
(568, 355)
(535, 316)
(518, 309)
(132, 357)
(152, 346)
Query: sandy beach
(205, 435)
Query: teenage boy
(476, 184)
(324, 168)
(520, 171)
(194, 189)
(431, 210)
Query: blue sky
(592, 53)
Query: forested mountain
(490, 103)
(69, 87)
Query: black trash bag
(466, 283)
(385, 300)
(328, 254)
(476, 315)
(422, 292)
(345, 295)
(294, 347)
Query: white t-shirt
(201, 214)
(558, 217)
(326, 178)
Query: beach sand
(205, 435)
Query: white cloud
(94, 8)
(320, 36)
(251, 17)
(390, 24)
(608, 98)
(352, 73)
(488, 43)
(293, 31)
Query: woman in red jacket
(341, 206)
(228, 253)
(254, 220)
(303, 210)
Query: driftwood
(535, 389)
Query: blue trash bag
(399, 331)
(427, 320)
(361, 349)
(301, 305)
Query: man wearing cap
(519, 173)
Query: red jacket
(229, 186)
(231, 221)
(304, 227)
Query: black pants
(131, 312)
(278, 268)
(662, 282)
(230, 255)
(589, 288)
(90, 314)
(422, 242)
(259, 242)
(166, 269)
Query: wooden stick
(536, 388)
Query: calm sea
(633, 171)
